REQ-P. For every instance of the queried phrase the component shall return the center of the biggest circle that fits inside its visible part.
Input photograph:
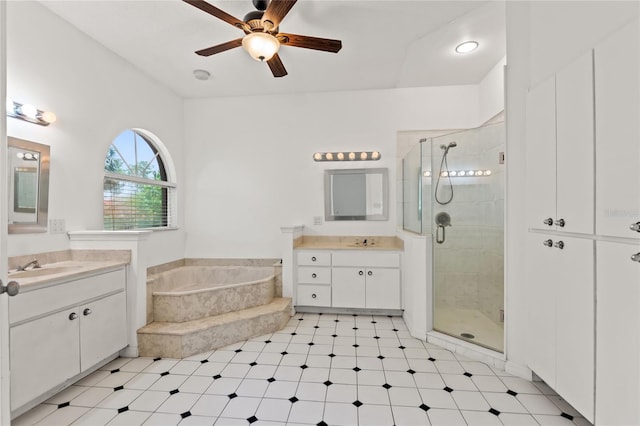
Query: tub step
(180, 340)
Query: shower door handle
(440, 240)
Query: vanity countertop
(60, 267)
(324, 242)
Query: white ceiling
(386, 44)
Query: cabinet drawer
(321, 258)
(363, 258)
(313, 275)
(314, 295)
(49, 299)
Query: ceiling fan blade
(220, 47)
(307, 42)
(277, 10)
(276, 66)
(218, 13)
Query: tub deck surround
(65, 265)
(327, 242)
(196, 305)
(181, 340)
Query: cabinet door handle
(360, 272)
(636, 257)
(313, 275)
(313, 258)
(560, 223)
(369, 273)
(559, 244)
(548, 221)
(73, 316)
(313, 296)
(86, 312)
(548, 243)
(635, 227)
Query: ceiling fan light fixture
(261, 46)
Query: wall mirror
(28, 166)
(356, 194)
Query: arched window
(138, 193)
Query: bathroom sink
(41, 272)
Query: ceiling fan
(262, 36)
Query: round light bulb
(467, 46)
(29, 110)
(470, 173)
(363, 156)
(375, 155)
(478, 172)
(444, 174)
(317, 156)
(427, 173)
(20, 155)
(261, 46)
(352, 156)
(453, 173)
(328, 156)
(340, 156)
(48, 117)
(487, 172)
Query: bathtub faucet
(34, 262)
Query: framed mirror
(356, 194)
(28, 166)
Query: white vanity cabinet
(348, 279)
(63, 330)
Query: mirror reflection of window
(25, 195)
(356, 194)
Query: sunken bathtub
(193, 292)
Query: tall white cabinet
(583, 257)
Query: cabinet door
(575, 311)
(617, 89)
(541, 154)
(383, 288)
(348, 288)
(575, 145)
(44, 353)
(103, 329)
(618, 335)
(541, 268)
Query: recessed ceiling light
(201, 74)
(467, 46)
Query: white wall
(249, 163)
(541, 38)
(96, 95)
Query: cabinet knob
(86, 312)
(635, 227)
(559, 244)
(313, 258)
(313, 275)
(369, 273)
(12, 288)
(73, 316)
(360, 272)
(313, 296)
(548, 221)
(548, 243)
(636, 257)
(560, 223)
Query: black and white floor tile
(320, 370)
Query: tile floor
(320, 370)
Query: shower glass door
(467, 223)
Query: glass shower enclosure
(453, 189)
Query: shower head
(452, 144)
(447, 147)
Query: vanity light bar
(461, 173)
(347, 156)
(28, 112)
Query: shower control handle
(635, 227)
(636, 257)
(559, 244)
(548, 221)
(560, 223)
(548, 243)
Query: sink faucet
(34, 262)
